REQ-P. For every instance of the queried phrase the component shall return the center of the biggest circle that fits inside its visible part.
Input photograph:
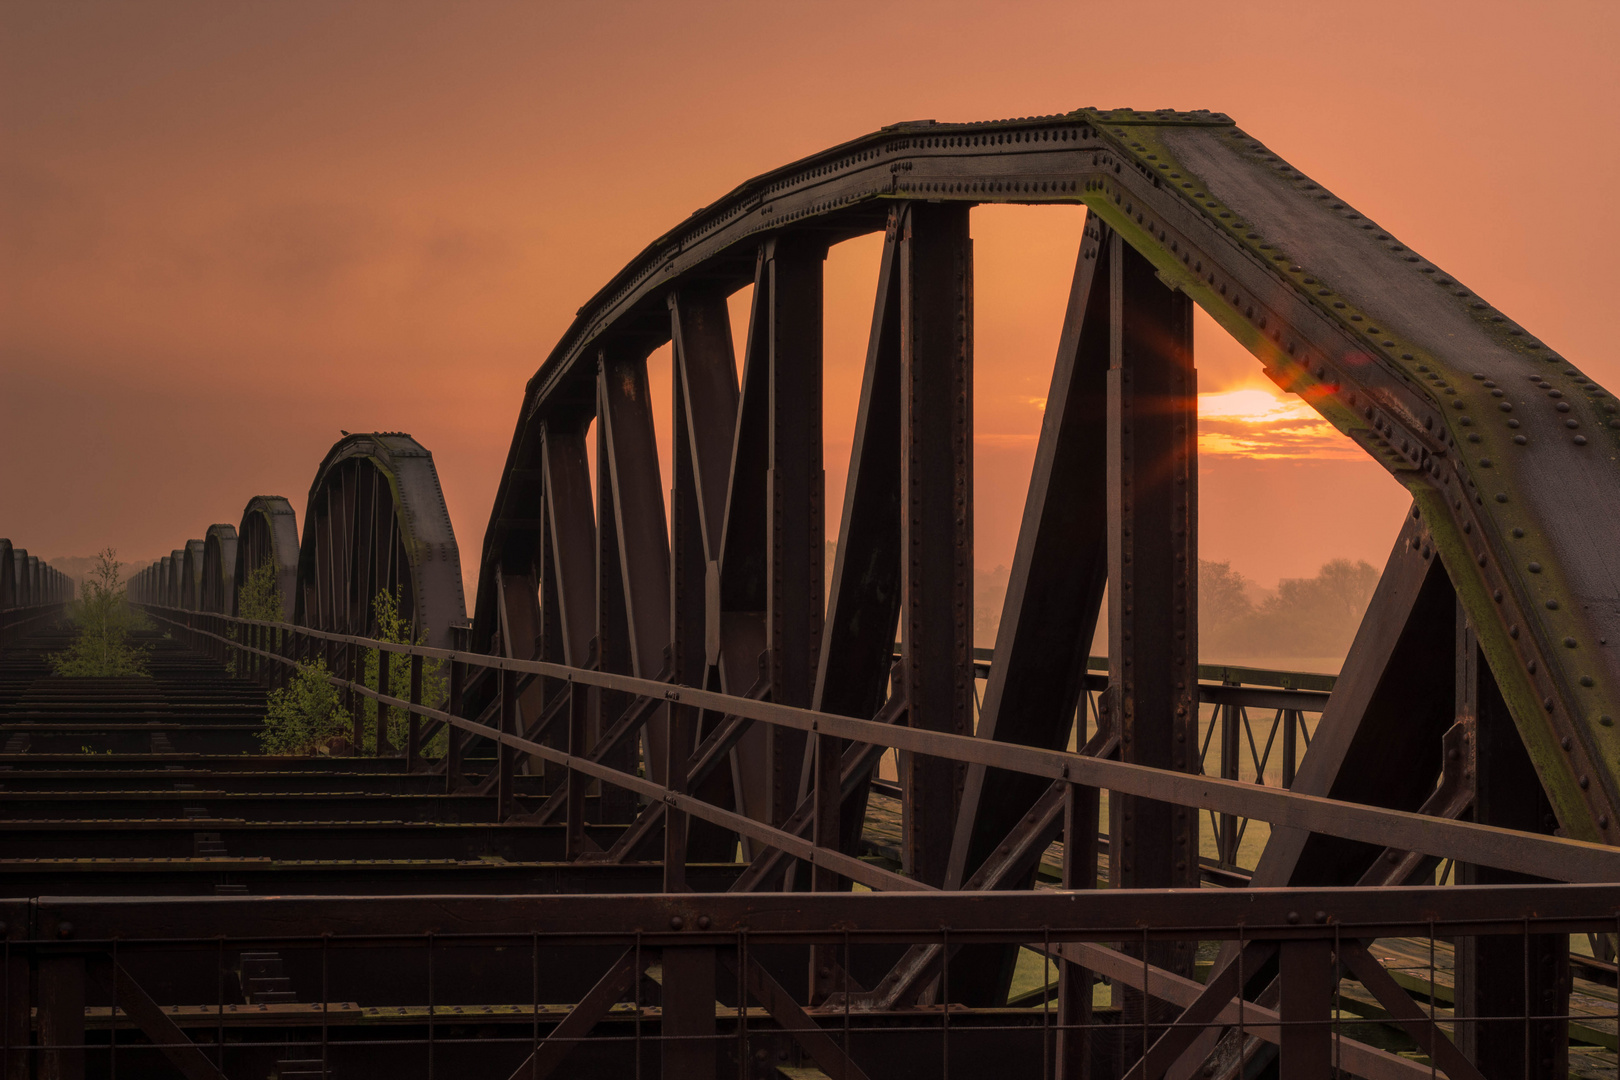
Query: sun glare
(1260, 422)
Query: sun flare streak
(1253, 422)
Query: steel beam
(863, 607)
(1054, 593)
(796, 533)
(936, 481)
(1152, 574)
(1500, 980)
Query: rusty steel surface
(1381, 341)
(28, 582)
(377, 523)
(268, 533)
(217, 590)
(669, 687)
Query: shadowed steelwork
(701, 697)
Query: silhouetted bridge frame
(687, 663)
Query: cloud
(1255, 423)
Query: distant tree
(1223, 596)
(101, 648)
(1315, 616)
(1351, 584)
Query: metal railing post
(61, 1018)
(385, 747)
(505, 756)
(453, 734)
(413, 733)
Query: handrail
(1226, 674)
(1554, 858)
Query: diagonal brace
(1205, 1010)
(1406, 1012)
(580, 1019)
(157, 1026)
(796, 1022)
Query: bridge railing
(168, 968)
(18, 621)
(273, 649)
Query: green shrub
(394, 627)
(306, 715)
(102, 648)
(259, 597)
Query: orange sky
(227, 231)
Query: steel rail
(1554, 858)
(657, 919)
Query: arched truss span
(23, 588)
(217, 591)
(376, 522)
(160, 581)
(191, 575)
(27, 580)
(174, 578)
(269, 532)
(1507, 448)
(8, 576)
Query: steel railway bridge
(627, 819)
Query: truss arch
(377, 522)
(216, 590)
(268, 533)
(1460, 404)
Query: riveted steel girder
(377, 521)
(269, 532)
(1508, 449)
(217, 590)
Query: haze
(231, 231)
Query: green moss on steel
(1176, 274)
(1476, 595)
(1523, 702)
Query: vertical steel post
(796, 532)
(688, 1017)
(936, 470)
(384, 686)
(1501, 980)
(354, 672)
(682, 725)
(505, 755)
(453, 734)
(18, 1014)
(61, 1018)
(1152, 584)
(1290, 746)
(413, 738)
(576, 782)
(1306, 1010)
(1080, 812)
(1231, 753)
(612, 642)
(826, 757)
